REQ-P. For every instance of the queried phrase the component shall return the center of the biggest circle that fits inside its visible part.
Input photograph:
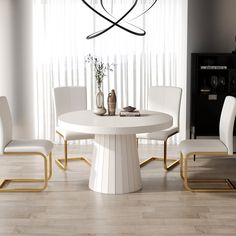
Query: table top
(88, 122)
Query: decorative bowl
(129, 108)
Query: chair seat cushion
(202, 146)
(160, 135)
(72, 135)
(28, 146)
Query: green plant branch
(100, 68)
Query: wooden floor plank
(162, 207)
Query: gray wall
(211, 25)
(222, 25)
(16, 61)
(211, 28)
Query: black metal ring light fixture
(116, 22)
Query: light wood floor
(162, 207)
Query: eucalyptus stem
(100, 69)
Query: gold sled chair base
(184, 175)
(230, 186)
(6, 182)
(166, 166)
(62, 163)
(47, 176)
(164, 159)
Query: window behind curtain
(60, 47)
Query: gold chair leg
(44, 180)
(181, 166)
(2, 182)
(174, 162)
(185, 163)
(164, 159)
(50, 166)
(231, 187)
(63, 162)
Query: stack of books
(129, 113)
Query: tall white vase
(100, 109)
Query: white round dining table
(115, 165)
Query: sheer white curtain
(60, 47)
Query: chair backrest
(166, 99)
(68, 99)
(227, 119)
(5, 124)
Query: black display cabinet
(213, 77)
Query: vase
(100, 109)
(111, 103)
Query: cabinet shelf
(213, 68)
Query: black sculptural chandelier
(121, 23)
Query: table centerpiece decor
(100, 69)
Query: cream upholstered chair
(164, 99)
(211, 147)
(68, 99)
(8, 146)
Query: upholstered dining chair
(9, 146)
(212, 148)
(164, 99)
(68, 99)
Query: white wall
(6, 54)
(16, 63)
(211, 28)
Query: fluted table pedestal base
(115, 168)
